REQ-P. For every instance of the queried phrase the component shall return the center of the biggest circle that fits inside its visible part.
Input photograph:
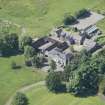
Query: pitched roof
(91, 29)
(45, 46)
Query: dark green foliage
(68, 19)
(24, 40)
(53, 65)
(69, 69)
(20, 99)
(82, 13)
(36, 61)
(80, 75)
(83, 80)
(9, 44)
(13, 65)
(29, 52)
(98, 62)
(88, 80)
(53, 82)
(101, 40)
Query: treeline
(12, 44)
(9, 43)
(84, 75)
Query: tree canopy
(9, 44)
(20, 99)
(68, 19)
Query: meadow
(12, 80)
(41, 96)
(40, 16)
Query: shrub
(20, 99)
(13, 65)
(36, 61)
(9, 44)
(24, 41)
(82, 13)
(69, 19)
(53, 82)
(29, 52)
(53, 65)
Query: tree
(53, 65)
(53, 82)
(9, 44)
(68, 19)
(20, 99)
(80, 75)
(29, 52)
(88, 80)
(24, 40)
(84, 80)
(98, 64)
(82, 13)
(71, 67)
(36, 61)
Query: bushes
(68, 19)
(15, 66)
(9, 44)
(20, 99)
(24, 41)
(82, 13)
(53, 82)
(37, 61)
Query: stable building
(61, 58)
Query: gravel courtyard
(86, 22)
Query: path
(101, 96)
(24, 89)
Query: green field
(41, 96)
(12, 80)
(39, 16)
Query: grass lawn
(41, 96)
(12, 80)
(39, 16)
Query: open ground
(40, 16)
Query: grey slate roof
(91, 29)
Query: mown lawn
(39, 16)
(41, 96)
(12, 80)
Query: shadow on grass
(6, 55)
(87, 94)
